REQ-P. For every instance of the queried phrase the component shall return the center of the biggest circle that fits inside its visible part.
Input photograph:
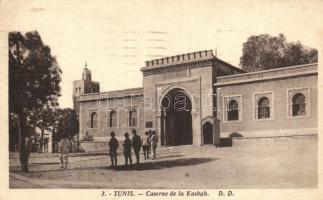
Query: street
(289, 165)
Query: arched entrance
(176, 119)
(207, 133)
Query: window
(298, 105)
(263, 104)
(299, 102)
(149, 124)
(133, 117)
(263, 108)
(113, 119)
(94, 120)
(233, 110)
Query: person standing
(65, 148)
(136, 144)
(145, 144)
(149, 147)
(127, 149)
(154, 142)
(28, 145)
(113, 146)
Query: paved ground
(266, 166)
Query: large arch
(185, 90)
(176, 118)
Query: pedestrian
(145, 144)
(149, 147)
(113, 146)
(154, 142)
(136, 144)
(127, 149)
(28, 146)
(65, 148)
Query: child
(145, 144)
(65, 148)
(149, 144)
(154, 142)
(127, 149)
(28, 145)
(113, 144)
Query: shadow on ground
(153, 165)
(165, 164)
(45, 163)
(170, 156)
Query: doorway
(176, 119)
(207, 133)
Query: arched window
(233, 110)
(263, 108)
(113, 119)
(94, 120)
(298, 106)
(133, 117)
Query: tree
(68, 124)
(34, 77)
(264, 51)
(43, 118)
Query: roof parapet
(182, 58)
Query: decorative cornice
(269, 70)
(176, 67)
(270, 78)
(116, 94)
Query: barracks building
(196, 99)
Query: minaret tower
(84, 86)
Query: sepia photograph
(191, 95)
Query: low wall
(94, 146)
(294, 139)
(273, 133)
(99, 144)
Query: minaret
(81, 86)
(86, 73)
(84, 86)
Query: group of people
(148, 144)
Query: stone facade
(117, 111)
(279, 86)
(261, 103)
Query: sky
(115, 38)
